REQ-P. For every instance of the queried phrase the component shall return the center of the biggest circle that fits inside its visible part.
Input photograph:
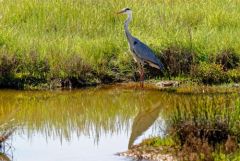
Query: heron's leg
(142, 77)
(140, 74)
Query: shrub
(209, 73)
(8, 67)
(205, 127)
(177, 61)
(228, 59)
(234, 75)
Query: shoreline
(143, 152)
(177, 86)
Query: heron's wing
(146, 54)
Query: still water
(89, 124)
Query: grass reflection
(91, 112)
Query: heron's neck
(126, 23)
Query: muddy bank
(140, 152)
(196, 150)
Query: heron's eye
(127, 9)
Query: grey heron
(141, 53)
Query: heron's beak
(120, 12)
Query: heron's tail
(161, 66)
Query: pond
(91, 124)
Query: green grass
(158, 141)
(207, 127)
(78, 38)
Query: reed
(208, 128)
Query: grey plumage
(141, 53)
(146, 54)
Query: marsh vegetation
(48, 44)
(206, 129)
(56, 42)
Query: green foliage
(209, 128)
(74, 39)
(209, 113)
(234, 75)
(8, 66)
(214, 73)
(209, 73)
(177, 60)
(228, 59)
(158, 141)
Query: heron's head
(125, 11)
